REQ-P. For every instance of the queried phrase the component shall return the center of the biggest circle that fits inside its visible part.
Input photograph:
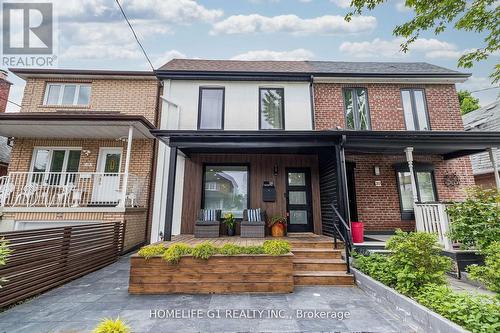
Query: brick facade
(134, 97)
(386, 109)
(4, 92)
(379, 207)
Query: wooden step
(331, 278)
(317, 253)
(312, 264)
(311, 245)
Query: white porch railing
(71, 189)
(433, 218)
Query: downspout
(311, 97)
(343, 171)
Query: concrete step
(331, 278)
(312, 264)
(317, 253)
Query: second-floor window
(357, 114)
(272, 108)
(67, 94)
(211, 108)
(415, 110)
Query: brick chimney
(4, 90)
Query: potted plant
(278, 226)
(230, 223)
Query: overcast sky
(91, 34)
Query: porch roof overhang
(85, 125)
(449, 144)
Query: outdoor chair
(253, 224)
(6, 189)
(28, 194)
(207, 224)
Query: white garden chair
(63, 196)
(6, 189)
(28, 193)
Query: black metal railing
(344, 232)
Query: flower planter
(409, 310)
(219, 274)
(278, 230)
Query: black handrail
(345, 235)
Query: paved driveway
(78, 306)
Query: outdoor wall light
(376, 170)
(275, 169)
(86, 152)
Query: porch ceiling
(73, 126)
(448, 144)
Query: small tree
(468, 103)
(475, 222)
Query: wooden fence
(42, 259)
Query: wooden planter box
(217, 275)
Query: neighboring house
(484, 119)
(375, 140)
(4, 145)
(82, 152)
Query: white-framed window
(48, 164)
(67, 94)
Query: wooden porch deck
(304, 239)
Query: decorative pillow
(254, 215)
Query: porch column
(494, 161)
(169, 209)
(409, 159)
(127, 165)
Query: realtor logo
(27, 28)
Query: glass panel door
(299, 211)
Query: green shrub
(489, 274)
(377, 266)
(204, 250)
(231, 249)
(276, 247)
(112, 326)
(416, 260)
(4, 253)
(152, 250)
(476, 313)
(475, 223)
(175, 251)
(254, 249)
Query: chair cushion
(254, 215)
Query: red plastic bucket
(358, 232)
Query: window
(357, 114)
(67, 94)
(226, 188)
(426, 188)
(49, 163)
(211, 108)
(271, 105)
(415, 110)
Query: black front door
(298, 200)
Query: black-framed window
(271, 108)
(425, 183)
(357, 113)
(211, 108)
(226, 187)
(415, 109)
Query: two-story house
(380, 142)
(82, 150)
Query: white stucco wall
(241, 110)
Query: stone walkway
(79, 305)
